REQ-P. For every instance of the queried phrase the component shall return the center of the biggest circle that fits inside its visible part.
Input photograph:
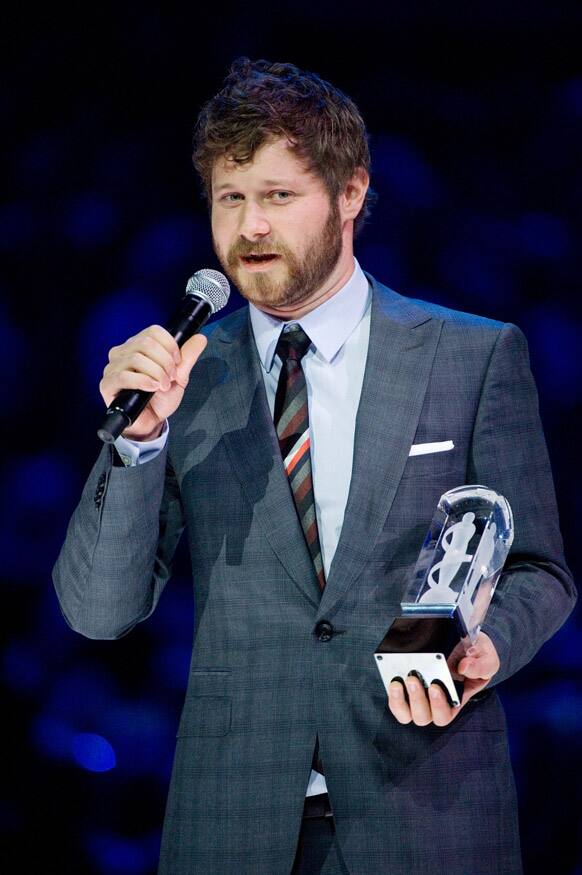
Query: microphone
(207, 292)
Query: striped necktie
(292, 426)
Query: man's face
(275, 232)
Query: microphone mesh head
(211, 285)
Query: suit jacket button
(324, 630)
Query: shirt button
(324, 630)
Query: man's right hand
(151, 361)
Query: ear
(352, 197)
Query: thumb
(190, 352)
(483, 665)
(481, 659)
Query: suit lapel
(403, 341)
(251, 442)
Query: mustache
(243, 248)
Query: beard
(305, 274)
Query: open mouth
(259, 259)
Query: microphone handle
(129, 403)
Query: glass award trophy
(451, 587)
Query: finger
(442, 712)
(163, 337)
(155, 342)
(157, 351)
(397, 702)
(453, 660)
(142, 364)
(148, 346)
(484, 666)
(111, 385)
(190, 353)
(480, 660)
(419, 704)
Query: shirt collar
(328, 326)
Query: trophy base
(419, 643)
(428, 667)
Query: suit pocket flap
(205, 716)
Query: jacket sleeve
(536, 592)
(120, 542)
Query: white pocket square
(435, 447)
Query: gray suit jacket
(406, 799)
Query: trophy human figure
(454, 543)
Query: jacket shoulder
(453, 320)
(460, 317)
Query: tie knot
(292, 344)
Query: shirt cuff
(134, 453)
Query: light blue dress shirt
(339, 330)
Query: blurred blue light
(52, 737)
(36, 491)
(142, 735)
(481, 278)
(564, 646)
(22, 667)
(93, 752)
(117, 855)
(82, 695)
(171, 665)
(111, 321)
(570, 96)
(556, 339)
(385, 263)
(543, 236)
(175, 616)
(496, 236)
(562, 709)
(403, 174)
(166, 244)
(42, 482)
(13, 348)
(90, 220)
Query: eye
(281, 196)
(231, 198)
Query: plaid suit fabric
(262, 685)
(292, 426)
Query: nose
(253, 221)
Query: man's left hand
(475, 667)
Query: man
(287, 460)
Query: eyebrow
(268, 183)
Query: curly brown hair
(262, 101)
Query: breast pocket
(428, 465)
(207, 710)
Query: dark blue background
(475, 115)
